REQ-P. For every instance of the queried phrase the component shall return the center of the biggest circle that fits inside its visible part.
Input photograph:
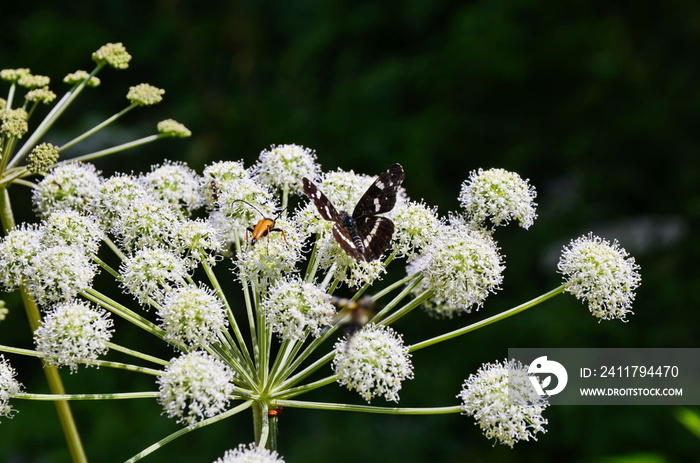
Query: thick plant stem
(265, 426)
(65, 415)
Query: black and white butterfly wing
(344, 238)
(375, 233)
(363, 236)
(380, 197)
(322, 203)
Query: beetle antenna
(279, 214)
(244, 201)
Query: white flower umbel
(70, 228)
(150, 273)
(416, 225)
(70, 186)
(272, 256)
(461, 267)
(199, 240)
(219, 177)
(16, 251)
(602, 274)
(503, 402)
(9, 387)
(284, 166)
(177, 184)
(73, 333)
(295, 308)
(147, 222)
(250, 453)
(116, 195)
(373, 362)
(195, 386)
(59, 273)
(193, 315)
(498, 195)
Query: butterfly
(364, 236)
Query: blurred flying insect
(264, 227)
(353, 314)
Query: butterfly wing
(322, 203)
(375, 233)
(380, 197)
(344, 238)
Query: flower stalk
(65, 414)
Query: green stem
(118, 309)
(65, 415)
(183, 431)
(99, 363)
(295, 391)
(487, 321)
(115, 149)
(14, 175)
(19, 351)
(261, 424)
(240, 346)
(369, 408)
(125, 366)
(19, 181)
(137, 354)
(65, 397)
(422, 297)
(50, 118)
(98, 127)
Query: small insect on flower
(364, 236)
(264, 226)
(353, 314)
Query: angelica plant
(61, 251)
(252, 324)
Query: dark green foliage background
(597, 103)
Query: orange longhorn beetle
(264, 226)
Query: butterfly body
(363, 235)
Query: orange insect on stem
(274, 412)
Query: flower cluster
(499, 195)
(460, 268)
(192, 315)
(373, 362)
(294, 308)
(250, 454)
(9, 387)
(195, 386)
(503, 402)
(73, 333)
(602, 274)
